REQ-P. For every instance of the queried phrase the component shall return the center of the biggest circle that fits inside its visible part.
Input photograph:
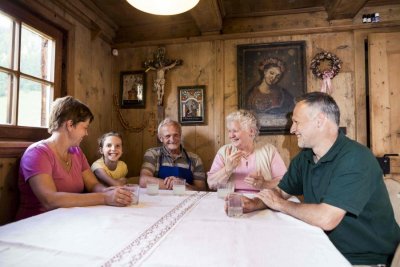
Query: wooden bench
(10, 155)
(9, 194)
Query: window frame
(22, 16)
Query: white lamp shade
(163, 7)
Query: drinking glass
(235, 205)
(134, 189)
(152, 187)
(179, 186)
(225, 189)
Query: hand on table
(169, 182)
(117, 196)
(249, 204)
(271, 198)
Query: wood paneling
(207, 16)
(219, 17)
(338, 9)
(10, 154)
(384, 66)
(214, 65)
(211, 61)
(9, 197)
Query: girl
(109, 169)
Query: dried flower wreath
(334, 63)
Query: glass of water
(152, 187)
(179, 186)
(235, 205)
(225, 189)
(134, 189)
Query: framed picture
(133, 89)
(191, 107)
(270, 77)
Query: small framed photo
(133, 89)
(191, 106)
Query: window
(30, 73)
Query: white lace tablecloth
(165, 230)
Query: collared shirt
(152, 157)
(349, 177)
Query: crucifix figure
(160, 65)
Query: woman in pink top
(54, 172)
(250, 165)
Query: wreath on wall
(325, 66)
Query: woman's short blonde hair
(246, 119)
(68, 108)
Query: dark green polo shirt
(349, 177)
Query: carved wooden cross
(160, 65)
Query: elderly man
(344, 193)
(171, 161)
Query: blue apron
(166, 171)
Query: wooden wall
(89, 64)
(213, 64)
(89, 79)
(211, 61)
(93, 77)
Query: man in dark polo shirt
(342, 184)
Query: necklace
(246, 157)
(65, 160)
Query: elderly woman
(250, 165)
(54, 173)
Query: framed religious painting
(133, 89)
(270, 77)
(191, 104)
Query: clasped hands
(256, 180)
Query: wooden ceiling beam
(207, 16)
(343, 9)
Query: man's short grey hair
(324, 103)
(169, 121)
(246, 119)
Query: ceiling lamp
(163, 7)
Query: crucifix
(160, 65)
